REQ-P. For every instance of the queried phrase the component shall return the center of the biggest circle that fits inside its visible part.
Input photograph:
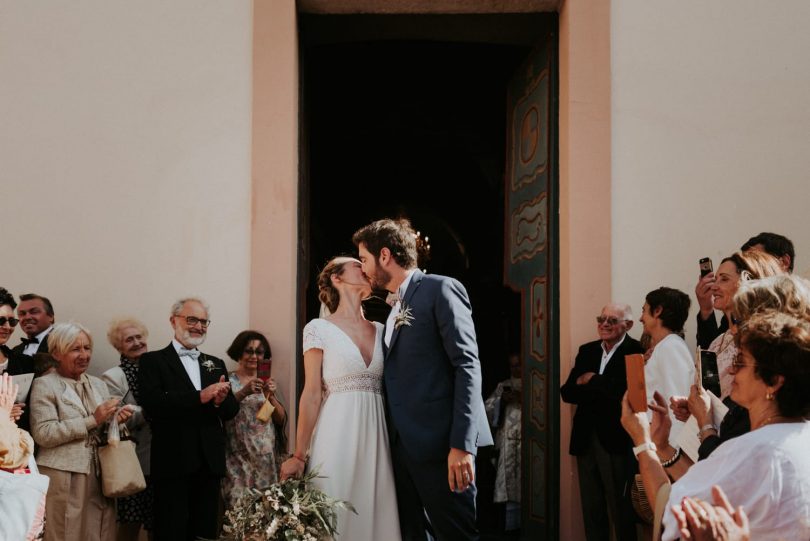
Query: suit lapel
(176, 366)
(416, 279)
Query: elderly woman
(766, 471)
(128, 336)
(252, 446)
(68, 408)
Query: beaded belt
(363, 382)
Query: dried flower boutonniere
(209, 365)
(404, 317)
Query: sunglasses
(12, 321)
(609, 320)
(250, 351)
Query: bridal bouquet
(292, 510)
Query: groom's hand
(460, 470)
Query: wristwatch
(646, 446)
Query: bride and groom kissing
(392, 415)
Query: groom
(432, 386)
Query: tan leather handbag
(121, 473)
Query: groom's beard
(380, 279)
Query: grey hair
(627, 312)
(116, 325)
(64, 335)
(178, 306)
(785, 293)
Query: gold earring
(769, 396)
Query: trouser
(187, 507)
(603, 488)
(423, 493)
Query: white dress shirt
(607, 355)
(390, 322)
(191, 365)
(31, 349)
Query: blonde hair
(64, 335)
(117, 325)
(784, 293)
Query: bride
(341, 416)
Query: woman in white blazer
(68, 407)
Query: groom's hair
(396, 235)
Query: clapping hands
(8, 393)
(699, 520)
(217, 392)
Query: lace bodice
(344, 369)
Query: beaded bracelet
(673, 459)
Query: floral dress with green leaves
(252, 448)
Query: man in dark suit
(186, 397)
(36, 316)
(432, 383)
(596, 384)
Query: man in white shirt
(596, 384)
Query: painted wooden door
(530, 268)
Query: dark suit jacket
(599, 402)
(43, 346)
(187, 436)
(433, 375)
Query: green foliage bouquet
(291, 510)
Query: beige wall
(125, 152)
(711, 124)
(585, 235)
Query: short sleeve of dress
(312, 337)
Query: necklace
(723, 344)
(769, 420)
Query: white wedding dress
(350, 442)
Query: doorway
(407, 116)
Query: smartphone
(709, 374)
(263, 370)
(636, 384)
(705, 266)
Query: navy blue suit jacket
(432, 372)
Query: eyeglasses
(12, 321)
(737, 364)
(256, 352)
(609, 320)
(191, 321)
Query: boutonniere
(404, 317)
(209, 365)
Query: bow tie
(27, 341)
(193, 353)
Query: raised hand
(701, 521)
(680, 407)
(703, 292)
(700, 405)
(661, 423)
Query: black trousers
(187, 507)
(422, 489)
(603, 489)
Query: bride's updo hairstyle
(327, 293)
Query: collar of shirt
(403, 287)
(607, 355)
(33, 347)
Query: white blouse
(767, 471)
(670, 370)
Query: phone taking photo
(263, 369)
(705, 266)
(707, 371)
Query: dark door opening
(415, 126)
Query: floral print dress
(252, 448)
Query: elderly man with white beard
(186, 396)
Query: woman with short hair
(68, 408)
(252, 446)
(128, 336)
